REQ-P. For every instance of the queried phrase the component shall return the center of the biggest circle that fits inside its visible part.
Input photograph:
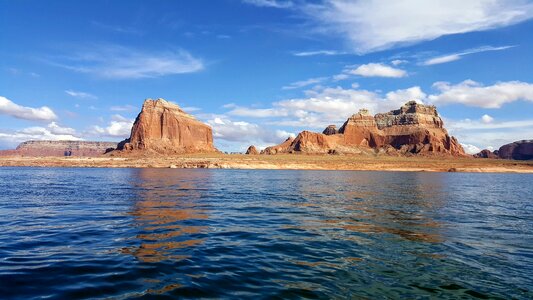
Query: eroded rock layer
(61, 148)
(252, 150)
(412, 129)
(162, 127)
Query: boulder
(252, 150)
(162, 127)
(519, 150)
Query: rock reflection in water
(167, 215)
(403, 208)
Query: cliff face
(61, 148)
(163, 127)
(412, 129)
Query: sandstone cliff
(61, 148)
(412, 129)
(162, 127)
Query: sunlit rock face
(412, 129)
(163, 127)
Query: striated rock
(252, 150)
(330, 130)
(412, 129)
(519, 150)
(61, 148)
(164, 128)
(486, 154)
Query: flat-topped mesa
(62, 148)
(411, 113)
(163, 127)
(412, 129)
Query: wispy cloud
(303, 83)
(369, 25)
(270, 3)
(318, 52)
(10, 108)
(117, 62)
(456, 56)
(117, 28)
(81, 95)
(123, 108)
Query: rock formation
(519, 150)
(252, 150)
(485, 153)
(331, 129)
(412, 129)
(61, 148)
(162, 127)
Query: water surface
(144, 233)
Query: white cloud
(117, 127)
(244, 132)
(318, 52)
(472, 93)
(371, 25)
(489, 135)
(470, 149)
(397, 62)
(303, 83)
(378, 70)
(54, 128)
(398, 98)
(10, 108)
(487, 119)
(126, 107)
(270, 3)
(457, 56)
(53, 133)
(80, 94)
(116, 62)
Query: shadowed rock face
(520, 150)
(252, 150)
(162, 127)
(331, 129)
(486, 154)
(61, 148)
(412, 129)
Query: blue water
(148, 233)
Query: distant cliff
(519, 150)
(61, 148)
(412, 129)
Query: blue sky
(260, 70)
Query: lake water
(140, 233)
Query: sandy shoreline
(280, 162)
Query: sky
(259, 71)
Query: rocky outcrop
(412, 129)
(281, 148)
(330, 130)
(162, 127)
(61, 148)
(486, 154)
(519, 150)
(252, 150)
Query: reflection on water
(165, 211)
(129, 233)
